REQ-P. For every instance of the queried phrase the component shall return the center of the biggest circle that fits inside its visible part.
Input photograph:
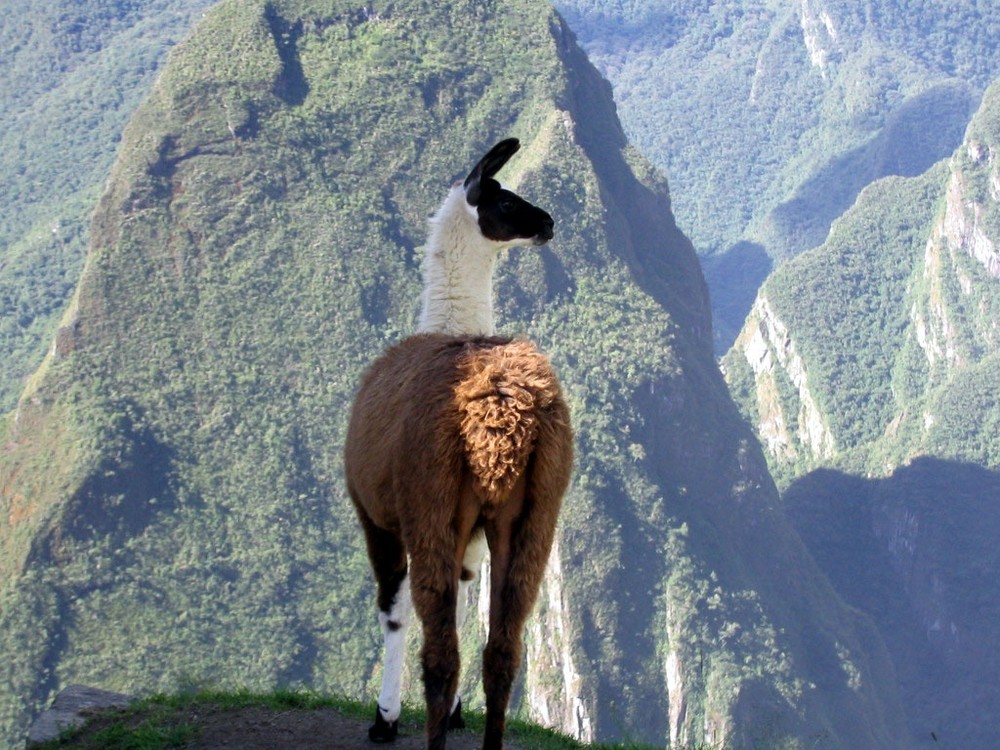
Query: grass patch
(165, 722)
(146, 725)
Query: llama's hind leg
(472, 562)
(394, 624)
(519, 550)
(436, 605)
(435, 598)
(394, 605)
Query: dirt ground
(261, 729)
(269, 729)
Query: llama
(459, 440)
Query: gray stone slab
(70, 709)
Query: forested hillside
(71, 73)
(876, 354)
(769, 118)
(877, 403)
(173, 510)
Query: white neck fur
(458, 271)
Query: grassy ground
(162, 722)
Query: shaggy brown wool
(452, 436)
(500, 389)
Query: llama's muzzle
(546, 232)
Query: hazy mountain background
(170, 478)
(878, 405)
(768, 118)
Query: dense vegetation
(769, 118)
(858, 289)
(71, 73)
(171, 482)
(899, 336)
(900, 343)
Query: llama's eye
(506, 205)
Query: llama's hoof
(455, 721)
(382, 730)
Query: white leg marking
(394, 624)
(471, 563)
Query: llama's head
(504, 216)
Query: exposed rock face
(70, 709)
(819, 34)
(962, 224)
(768, 347)
(550, 652)
(898, 528)
(676, 696)
(933, 329)
(952, 322)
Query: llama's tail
(505, 390)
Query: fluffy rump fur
(503, 388)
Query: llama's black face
(503, 215)
(506, 217)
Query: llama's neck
(458, 272)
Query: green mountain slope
(816, 359)
(71, 73)
(173, 507)
(889, 373)
(770, 117)
(900, 332)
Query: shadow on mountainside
(917, 552)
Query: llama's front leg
(388, 558)
(471, 565)
(394, 623)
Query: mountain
(769, 118)
(71, 73)
(891, 357)
(171, 481)
(878, 409)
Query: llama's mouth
(542, 237)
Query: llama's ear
(488, 166)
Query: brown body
(448, 436)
